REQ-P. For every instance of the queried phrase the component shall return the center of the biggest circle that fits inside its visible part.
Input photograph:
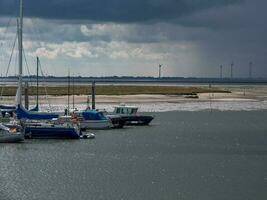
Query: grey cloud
(112, 10)
(250, 14)
(193, 39)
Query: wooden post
(88, 102)
(93, 95)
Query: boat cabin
(125, 110)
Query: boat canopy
(24, 114)
(93, 115)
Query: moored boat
(92, 119)
(117, 121)
(130, 116)
(8, 135)
(38, 124)
(57, 128)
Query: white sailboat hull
(95, 124)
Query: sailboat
(88, 119)
(11, 109)
(40, 124)
(21, 112)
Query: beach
(240, 97)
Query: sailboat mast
(37, 82)
(20, 43)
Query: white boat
(8, 135)
(92, 119)
(95, 124)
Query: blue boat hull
(51, 133)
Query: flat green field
(114, 90)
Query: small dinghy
(87, 136)
(10, 135)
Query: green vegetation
(116, 90)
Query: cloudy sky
(119, 37)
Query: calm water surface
(182, 155)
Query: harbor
(223, 134)
(144, 100)
(19, 122)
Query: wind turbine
(160, 65)
(232, 66)
(221, 70)
(250, 69)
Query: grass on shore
(115, 90)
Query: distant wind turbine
(221, 70)
(250, 69)
(232, 68)
(160, 70)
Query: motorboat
(130, 115)
(116, 120)
(91, 119)
(10, 135)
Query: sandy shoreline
(247, 97)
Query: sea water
(181, 155)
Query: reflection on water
(182, 155)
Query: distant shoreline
(135, 80)
(115, 90)
(241, 97)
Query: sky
(190, 38)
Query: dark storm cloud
(111, 10)
(197, 36)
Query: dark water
(182, 155)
